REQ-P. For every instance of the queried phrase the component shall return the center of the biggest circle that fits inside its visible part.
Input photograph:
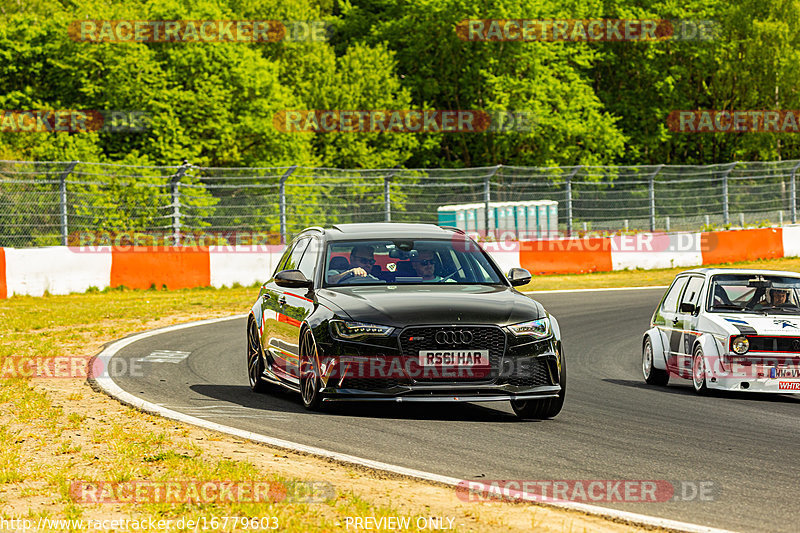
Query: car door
(277, 333)
(666, 319)
(687, 322)
(296, 305)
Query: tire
(652, 375)
(255, 359)
(699, 371)
(309, 373)
(541, 409)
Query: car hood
(773, 324)
(402, 305)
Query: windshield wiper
(729, 306)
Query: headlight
(358, 330)
(539, 328)
(740, 345)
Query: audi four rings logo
(454, 337)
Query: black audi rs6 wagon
(402, 313)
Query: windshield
(750, 293)
(399, 262)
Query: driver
(778, 296)
(774, 298)
(362, 260)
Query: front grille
(774, 344)
(536, 374)
(483, 338)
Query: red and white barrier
(63, 270)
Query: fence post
(487, 197)
(653, 197)
(725, 213)
(175, 184)
(387, 197)
(569, 200)
(282, 193)
(793, 192)
(63, 190)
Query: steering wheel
(351, 275)
(453, 273)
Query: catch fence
(52, 203)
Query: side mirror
(293, 279)
(686, 307)
(518, 276)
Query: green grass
(43, 446)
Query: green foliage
(750, 64)
(213, 104)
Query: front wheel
(255, 360)
(309, 373)
(652, 375)
(699, 371)
(540, 409)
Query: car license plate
(783, 372)
(454, 358)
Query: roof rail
(453, 228)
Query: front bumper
(531, 377)
(763, 373)
(442, 392)
(518, 369)
(750, 384)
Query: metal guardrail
(50, 203)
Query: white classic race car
(728, 329)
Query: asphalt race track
(613, 426)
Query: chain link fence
(59, 203)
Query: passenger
(425, 265)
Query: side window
(297, 253)
(283, 259)
(693, 288)
(670, 303)
(309, 260)
(291, 251)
